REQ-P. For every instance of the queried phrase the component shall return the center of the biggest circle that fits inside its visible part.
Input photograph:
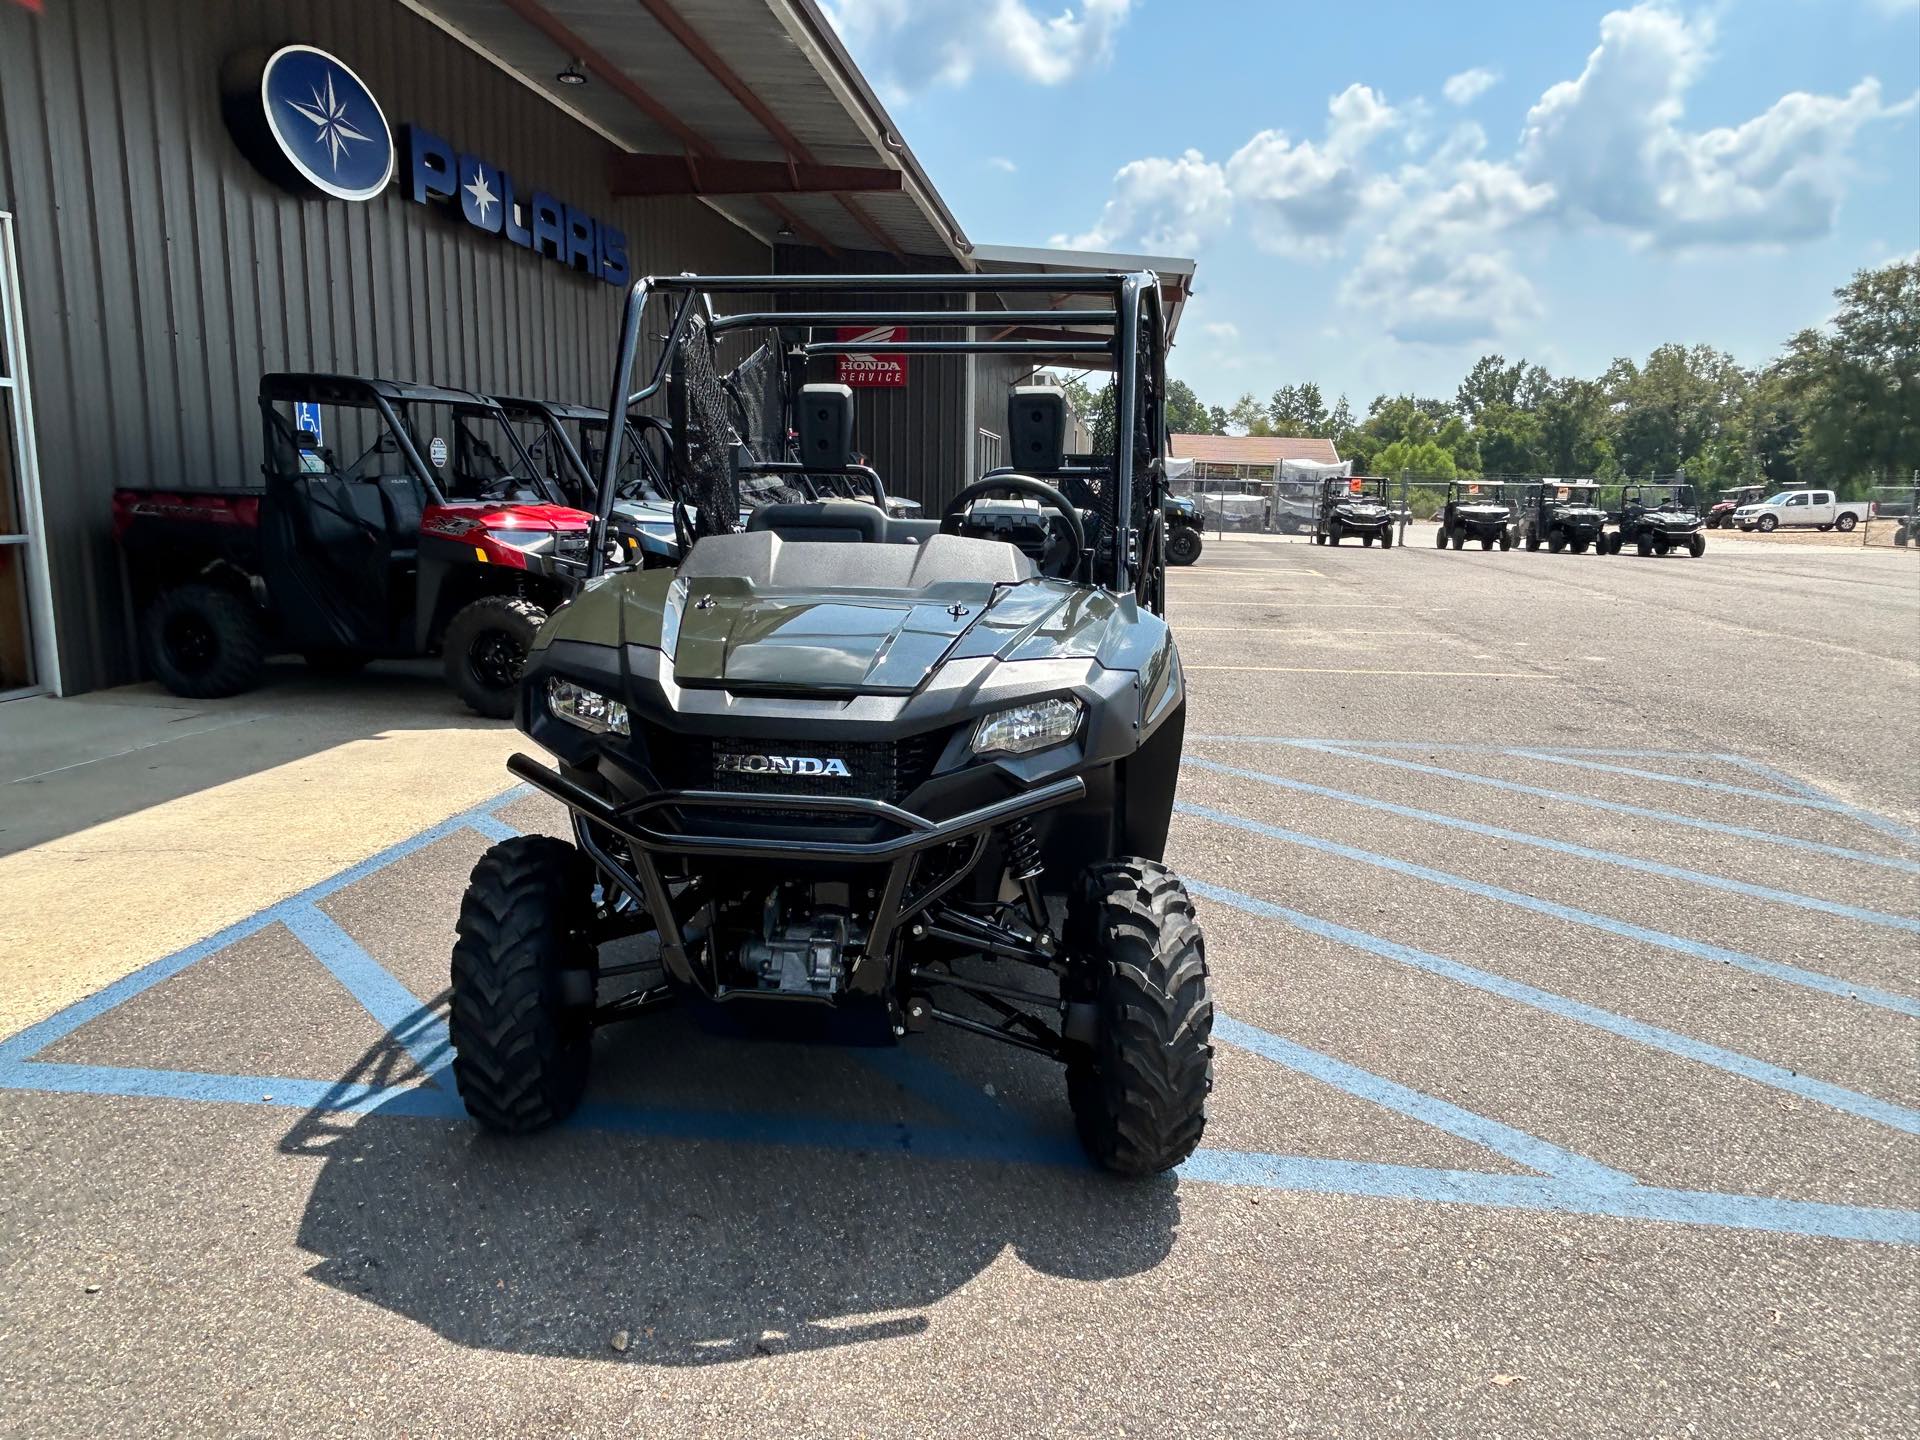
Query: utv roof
(522, 406)
(359, 389)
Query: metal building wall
(163, 275)
(912, 435)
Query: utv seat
(766, 560)
(840, 521)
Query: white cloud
(1612, 144)
(910, 46)
(1302, 195)
(1160, 205)
(1469, 85)
(1002, 163)
(1434, 237)
(1440, 294)
(1222, 329)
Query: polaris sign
(310, 124)
(487, 200)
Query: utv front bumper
(653, 832)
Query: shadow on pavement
(703, 1248)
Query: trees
(1298, 410)
(1855, 387)
(1249, 416)
(1185, 413)
(1840, 406)
(1418, 460)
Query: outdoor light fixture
(572, 75)
(785, 232)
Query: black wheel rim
(190, 643)
(494, 660)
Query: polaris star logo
(780, 765)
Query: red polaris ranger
(395, 520)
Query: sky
(1379, 193)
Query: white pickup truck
(1817, 508)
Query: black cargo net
(1148, 465)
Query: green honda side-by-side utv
(1354, 506)
(1563, 515)
(1476, 510)
(1657, 519)
(912, 773)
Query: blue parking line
(1311, 1175)
(405, 1016)
(281, 1091)
(1641, 812)
(58, 1026)
(1753, 964)
(1689, 782)
(1516, 1145)
(1562, 847)
(491, 826)
(1814, 792)
(1761, 1072)
(1799, 787)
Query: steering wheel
(1056, 565)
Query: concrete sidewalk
(133, 822)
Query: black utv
(1563, 515)
(1183, 520)
(1898, 506)
(1354, 505)
(1657, 520)
(906, 772)
(1475, 510)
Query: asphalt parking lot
(1562, 915)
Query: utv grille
(887, 770)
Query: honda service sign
(872, 371)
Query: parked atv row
(423, 528)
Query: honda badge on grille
(779, 765)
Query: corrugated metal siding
(163, 275)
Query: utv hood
(723, 634)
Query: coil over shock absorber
(1022, 848)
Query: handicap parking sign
(306, 416)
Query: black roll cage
(1135, 296)
(387, 399)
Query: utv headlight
(588, 709)
(528, 540)
(1026, 728)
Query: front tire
(523, 979)
(1768, 524)
(1139, 1091)
(1696, 545)
(484, 648)
(1183, 547)
(1386, 538)
(204, 642)
(1440, 537)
